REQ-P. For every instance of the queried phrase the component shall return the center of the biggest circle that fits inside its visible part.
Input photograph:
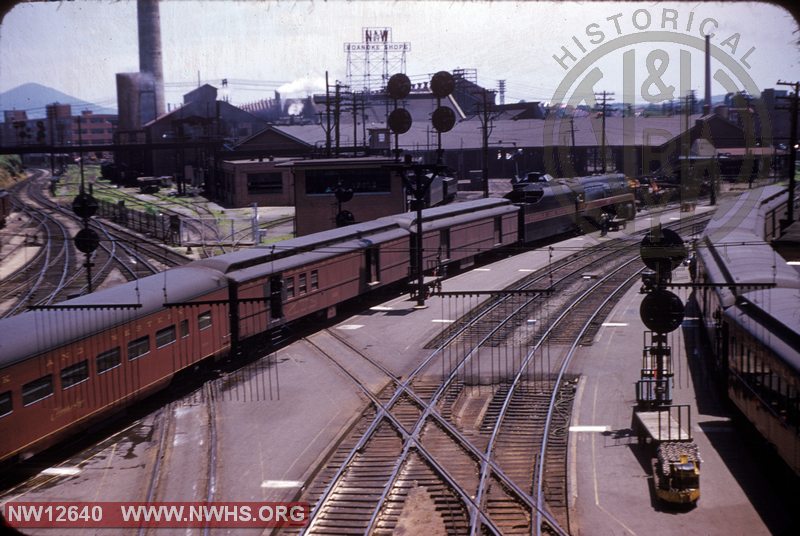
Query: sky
(262, 45)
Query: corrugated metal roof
(468, 133)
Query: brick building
(256, 180)
(377, 191)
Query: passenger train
(749, 312)
(64, 367)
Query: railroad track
(493, 458)
(434, 444)
(47, 272)
(193, 418)
(57, 271)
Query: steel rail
(518, 376)
(566, 362)
(48, 222)
(404, 388)
(212, 448)
(384, 413)
(449, 428)
(429, 409)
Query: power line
(606, 98)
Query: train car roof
(239, 260)
(374, 231)
(772, 317)
(464, 217)
(408, 219)
(744, 212)
(742, 257)
(320, 254)
(33, 332)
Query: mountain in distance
(34, 97)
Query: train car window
(314, 279)
(290, 287)
(204, 320)
(264, 183)
(74, 374)
(165, 336)
(301, 284)
(498, 230)
(532, 197)
(5, 403)
(373, 180)
(108, 360)
(138, 347)
(37, 390)
(184, 328)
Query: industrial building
(202, 117)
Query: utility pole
(486, 129)
(606, 97)
(337, 115)
(685, 168)
(572, 152)
(328, 116)
(792, 151)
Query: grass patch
(11, 170)
(274, 239)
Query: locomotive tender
(65, 367)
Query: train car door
(444, 243)
(275, 297)
(373, 265)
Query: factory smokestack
(150, 49)
(707, 103)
